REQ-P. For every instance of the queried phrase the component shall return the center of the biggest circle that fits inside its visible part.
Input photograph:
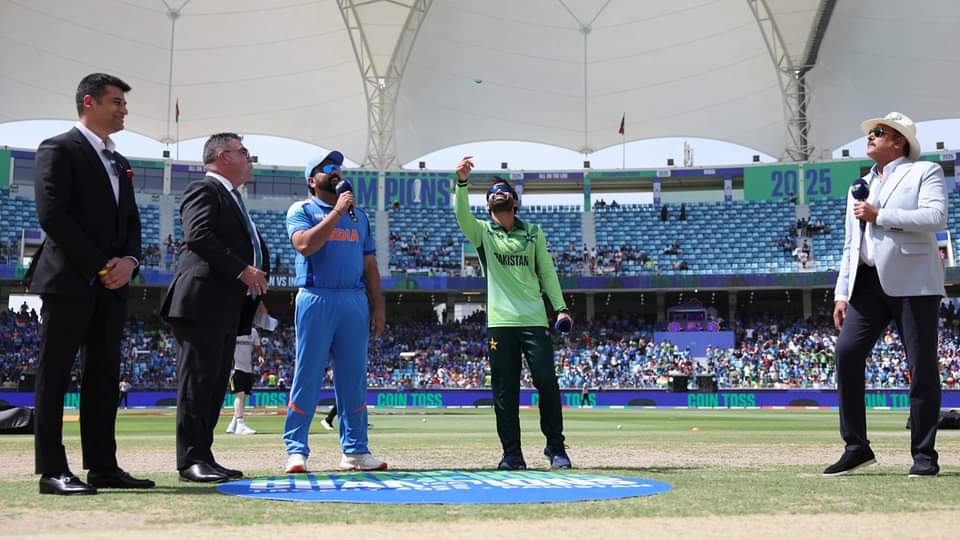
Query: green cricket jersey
(517, 265)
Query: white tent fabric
(879, 57)
(490, 70)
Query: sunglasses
(330, 167)
(497, 188)
(880, 131)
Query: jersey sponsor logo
(345, 235)
(512, 260)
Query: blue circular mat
(445, 487)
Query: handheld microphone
(563, 325)
(344, 186)
(860, 192)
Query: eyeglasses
(243, 152)
(880, 131)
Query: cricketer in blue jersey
(336, 270)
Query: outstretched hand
(464, 167)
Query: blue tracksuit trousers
(332, 324)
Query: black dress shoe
(203, 472)
(119, 479)
(64, 484)
(924, 470)
(850, 461)
(231, 473)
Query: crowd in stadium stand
(611, 352)
(9, 252)
(19, 344)
(411, 253)
(152, 256)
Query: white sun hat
(901, 123)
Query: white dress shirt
(875, 182)
(99, 147)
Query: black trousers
(869, 311)
(507, 347)
(92, 326)
(204, 360)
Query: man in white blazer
(891, 271)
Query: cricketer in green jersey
(519, 270)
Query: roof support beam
(173, 14)
(585, 28)
(817, 30)
(790, 72)
(382, 86)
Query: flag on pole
(622, 122)
(177, 114)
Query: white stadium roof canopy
(388, 81)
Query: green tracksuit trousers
(507, 347)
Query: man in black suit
(86, 206)
(215, 293)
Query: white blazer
(913, 208)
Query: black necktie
(114, 161)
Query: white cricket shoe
(326, 425)
(361, 462)
(243, 429)
(296, 463)
(232, 426)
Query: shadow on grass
(575, 470)
(652, 469)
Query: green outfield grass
(719, 462)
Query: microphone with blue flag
(860, 192)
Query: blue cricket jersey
(339, 263)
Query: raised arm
(470, 225)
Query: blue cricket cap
(334, 157)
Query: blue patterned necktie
(257, 254)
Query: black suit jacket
(216, 248)
(85, 225)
